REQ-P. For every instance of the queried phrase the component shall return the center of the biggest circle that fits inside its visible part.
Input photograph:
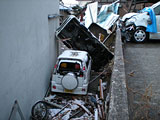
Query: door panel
(157, 13)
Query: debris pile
(74, 35)
(69, 107)
(92, 36)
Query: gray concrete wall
(118, 106)
(27, 52)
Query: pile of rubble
(74, 35)
(72, 107)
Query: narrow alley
(80, 60)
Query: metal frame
(16, 109)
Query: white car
(142, 26)
(72, 72)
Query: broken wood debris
(99, 108)
(59, 117)
(90, 107)
(101, 90)
(131, 73)
(84, 108)
(101, 99)
(61, 110)
(95, 114)
(76, 113)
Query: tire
(140, 35)
(69, 81)
(39, 111)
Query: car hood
(128, 15)
(135, 17)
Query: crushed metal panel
(78, 37)
(97, 30)
(106, 21)
(109, 22)
(108, 15)
(91, 14)
(102, 34)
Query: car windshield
(69, 66)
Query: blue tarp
(151, 27)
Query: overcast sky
(69, 2)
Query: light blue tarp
(151, 27)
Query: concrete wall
(27, 52)
(118, 106)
